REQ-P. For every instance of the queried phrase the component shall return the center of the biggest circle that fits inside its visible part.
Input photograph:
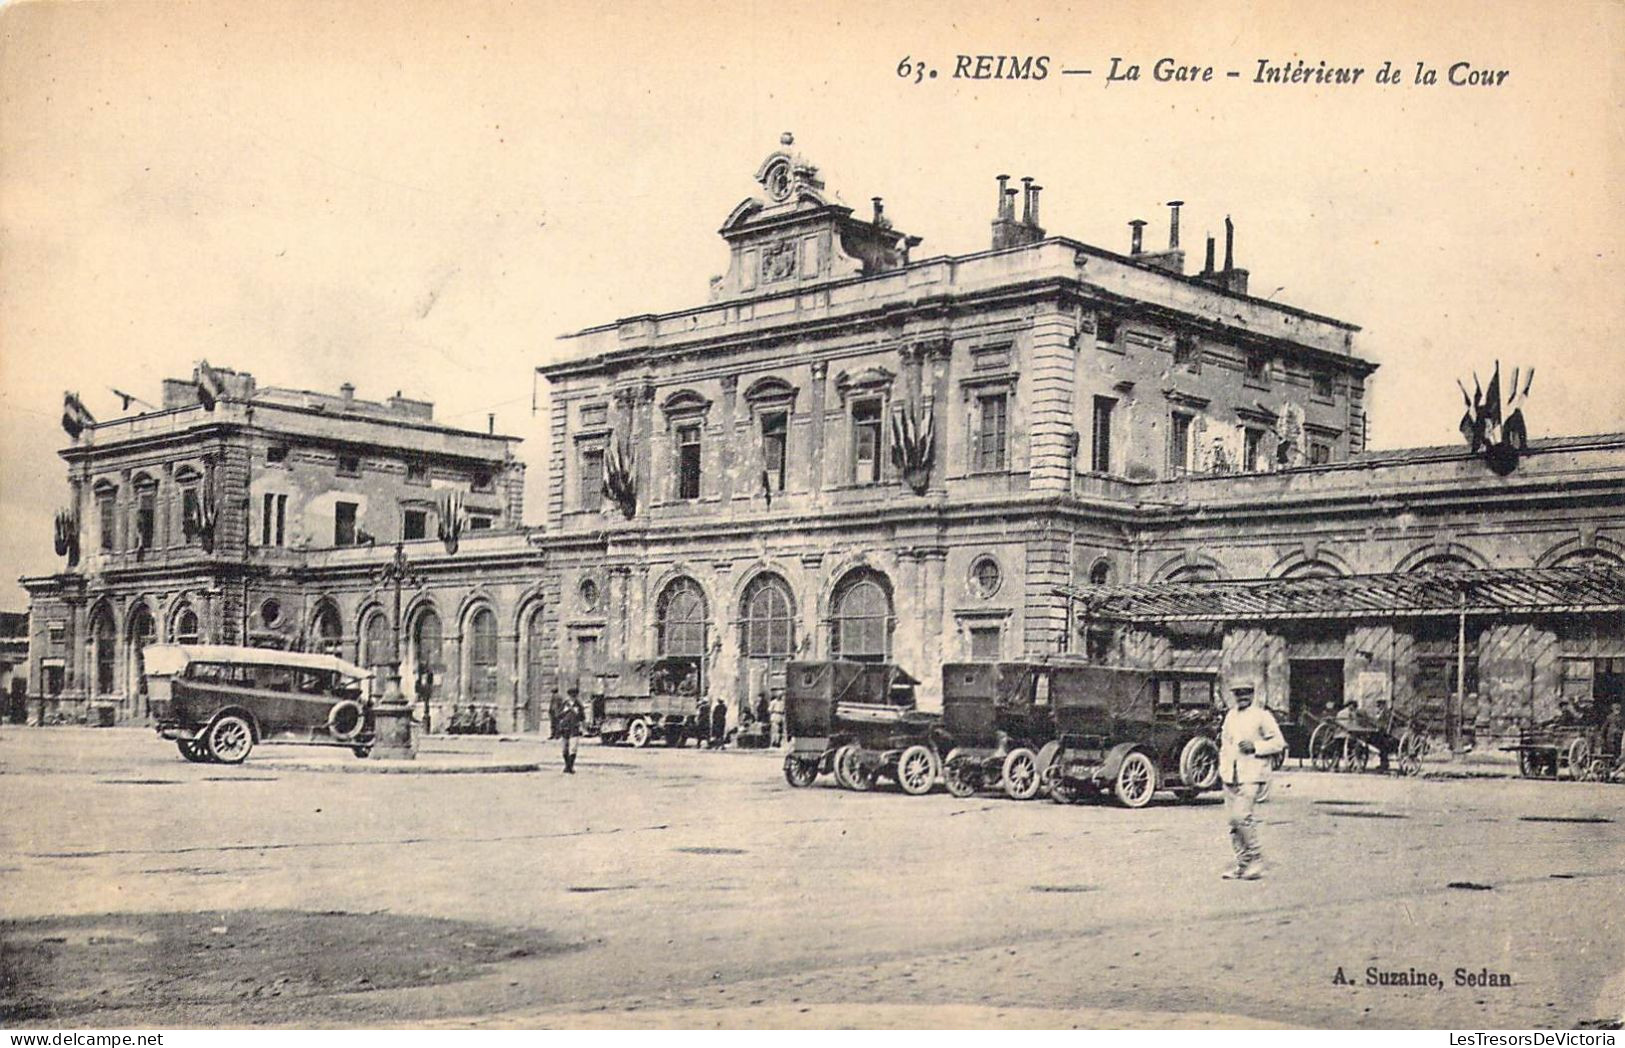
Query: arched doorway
(423, 675)
(767, 640)
(861, 618)
(103, 652)
(682, 626)
(376, 649)
(534, 643)
(142, 630)
(480, 684)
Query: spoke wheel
(193, 750)
(1020, 775)
(799, 773)
(959, 777)
(637, 733)
(917, 770)
(1136, 781)
(1580, 760)
(229, 739)
(1199, 764)
(849, 770)
(1322, 749)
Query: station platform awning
(1592, 589)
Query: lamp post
(392, 715)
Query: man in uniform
(568, 727)
(1247, 741)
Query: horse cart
(1350, 741)
(642, 702)
(1584, 751)
(1127, 733)
(857, 722)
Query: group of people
(710, 721)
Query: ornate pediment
(870, 380)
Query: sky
(423, 196)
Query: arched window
(681, 619)
(142, 631)
(767, 618)
(375, 646)
(535, 641)
(104, 641)
(426, 640)
(482, 656)
(862, 618)
(327, 633)
(187, 629)
(1100, 574)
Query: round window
(985, 576)
(271, 613)
(589, 594)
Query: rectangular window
(1252, 459)
(688, 461)
(417, 473)
(1100, 457)
(415, 524)
(344, 523)
(108, 514)
(349, 465)
(1105, 329)
(1319, 454)
(273, 520)
(482, 481)
(587, 652)
(775, 428)
(480, 522)
(1179, 445)
(1258, 368)
(276, 453)
(191, 515)
(592, 478)
(146, 517)
(984, 644)
(992, 431)
(866, 442)
(1185, 352)
(1323, 384)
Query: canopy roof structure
(1487, 591)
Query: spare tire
(346, 719)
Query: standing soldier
(775, 708)
(568, 727)
(1247, 741)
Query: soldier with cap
(568, 726)
(1247, 741)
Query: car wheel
(1199, 763)
(1580, 760)
(193, 750)
(1020, 775)
(229, 739)
(798, 772)
(637, 733)
(844, 761)
(1136, 781)
(917, 770)
(858, 778)
(959, 777)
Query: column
(815, 454)
(933, 559)
(727, 460)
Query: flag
(75, 417)
(911, 445)
(1492, 401)
(210, 386)
(620, 485)
(450, 528)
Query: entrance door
(1313, 684)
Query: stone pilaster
(815, 453)
(932, 560)
(729, 456)
(1049, 378)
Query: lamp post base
(393, 737)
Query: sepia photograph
(856, 516)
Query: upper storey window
(1179, 444)
(685, 413)
(1325, 385)
(107, 517)
(992, 431)
(775, 433)
(867, 440)
(481, 480)
(688, 460)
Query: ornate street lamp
(392, 715)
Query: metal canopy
(1488, 591)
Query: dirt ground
(697, 889)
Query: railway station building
(855, 450)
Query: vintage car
(1132, 733)
(217, 701)
(1002, 723)
(643, 701)
(857, 721)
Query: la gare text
(1170, 70)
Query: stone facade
(853, 452)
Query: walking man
(1247, 741)
(568, 727)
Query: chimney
(1004, 198)
(1009, 212)
(1207, 267)
(1173, 224)
(1233, 278)
(1229, 244)
(491, 422)
(1026, 201)
(1033, 208)
(1138, 227)
(879, 209)
(347, 391)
